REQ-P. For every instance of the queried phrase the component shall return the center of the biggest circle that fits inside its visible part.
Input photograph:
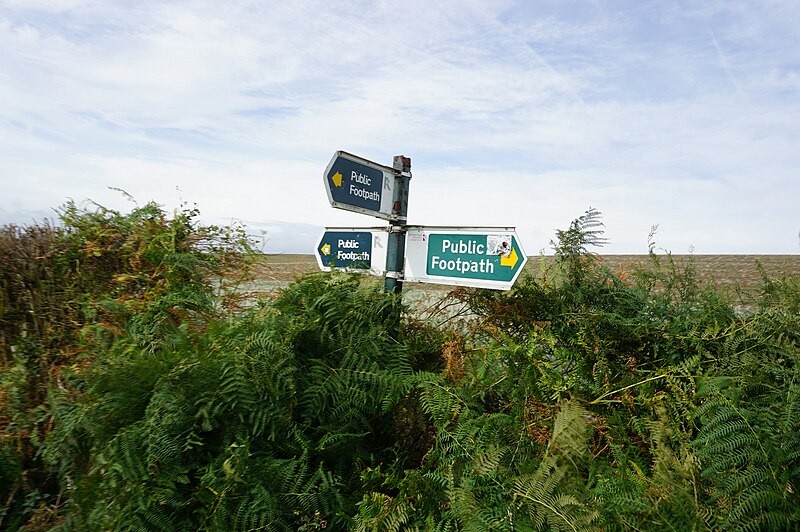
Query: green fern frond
(749, 456)
(552, 496)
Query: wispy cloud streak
(627, 107)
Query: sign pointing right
(482, 257)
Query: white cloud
(681, 114)
(46, 6)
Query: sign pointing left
(353, 249)
(356, 184)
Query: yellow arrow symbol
(511, 260)
(326, 249)
(337, 179)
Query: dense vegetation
(137, 394)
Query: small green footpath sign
(489, 257)
(357, 249)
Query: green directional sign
(361, 249)
(359, 185)
(478, 257)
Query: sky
(683, 115)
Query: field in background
(274, 272)
(427, 301)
